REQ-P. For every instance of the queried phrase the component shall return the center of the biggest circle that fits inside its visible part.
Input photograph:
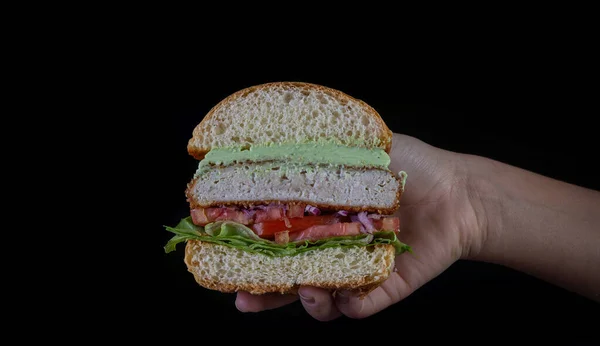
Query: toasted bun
(228, 269)
(289, 112)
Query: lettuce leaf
(236, 235)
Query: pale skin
(459, 206)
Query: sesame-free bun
(227, 269)
(289, 112)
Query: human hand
(439, 218)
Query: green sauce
(297, 156)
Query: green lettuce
(236, 235)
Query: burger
(293, 188)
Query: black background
(530, 111)
(515, 84)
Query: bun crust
(289, 112)
(226, 269)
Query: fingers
(318, 303)
(321, 304)
(411, 272)
(246, 302)
(390, 292)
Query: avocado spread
(299, 154)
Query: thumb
(318, 302)
(411, 272)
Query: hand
(439, 218)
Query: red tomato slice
(282, 237)
(268, 229)
(325, 231)
(389, 223)
(296, 210)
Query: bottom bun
(227, 269)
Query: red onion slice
(249, 213)
(312, 210)
(362, 216)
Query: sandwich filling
(289, 198)
(307, 154)
(327, 187)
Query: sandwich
(293, 188)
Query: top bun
(289, 112)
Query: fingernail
(307, 300)
(240, 306)
(342, 297)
